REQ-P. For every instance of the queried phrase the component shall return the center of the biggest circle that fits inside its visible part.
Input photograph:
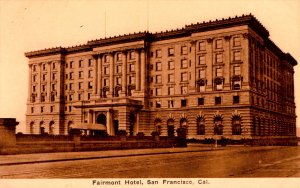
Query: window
(218, 100)
(80, 85)
(131, 55)
(106, 59)
(158, 53)
(119, 80)
(53, 87)
(90, 73)
(90, 62)
(66, 65)
(236, 41)
(219, 44)
(171, 91)
(80, 74)
(51, 108)
(201, 46)
(202, 60)
(158, 91)
(53, 76)
(52, 98)
(218, 129)
(236, 99)
(158, 79)
(42, 109)
(158, 104)
(66, 76)
(202, 74)
(42, 98)
(183, 102)
(89, 96)
(71, 97)
(131, 67)
(158, 66)
(80, 64)
(71, 75)
(184, 50)
(219, 72)
(105, 81)
(184, 63)
(184, 77)
(43, 88)
(71, 64)
(200, 126)
(237, 56)
(44, 77)
(219, 58)
(184, 90)
(66, 87)
(34, 67)
(70, 108)
(200, 101)
(79, 97)
(34, 78)
(119, 56)
(171, 51)
(236, 126)
(106, 70)
(32, 110)
(119, 69)
(237, 70)
(171, 65)
(131, 80)
(44, 66)
(171, 104)
(171, 78)
(90, 86)
(71, 86)
(33, 88)
(53, 66)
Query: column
(30, 82)
(227, 62)
(39, 89)
(99, 78)
(143, 71)
(124, 73)
(209, 62)
(137, 71)
(48, 81)
(95, 67)
(111, 74)
(192, 58)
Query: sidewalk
(68, 156)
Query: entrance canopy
(89, 126)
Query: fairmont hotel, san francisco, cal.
(222, 78)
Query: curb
(103, 157)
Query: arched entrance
(101, 119)
(42, 127)
(170, 127)
(51, 127)
(218, 129)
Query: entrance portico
(115, 115)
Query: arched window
(157, 125)
(170, 126)
(51, 127)
(218, 129)
(184, 124)
(42, 127)
(200, 126)
(31, 128)
(236, 126)
(70, 123)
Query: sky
(28, 25)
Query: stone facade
(217, 78)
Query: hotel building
(218, 78)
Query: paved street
(234, 161)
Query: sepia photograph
(149, 93)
